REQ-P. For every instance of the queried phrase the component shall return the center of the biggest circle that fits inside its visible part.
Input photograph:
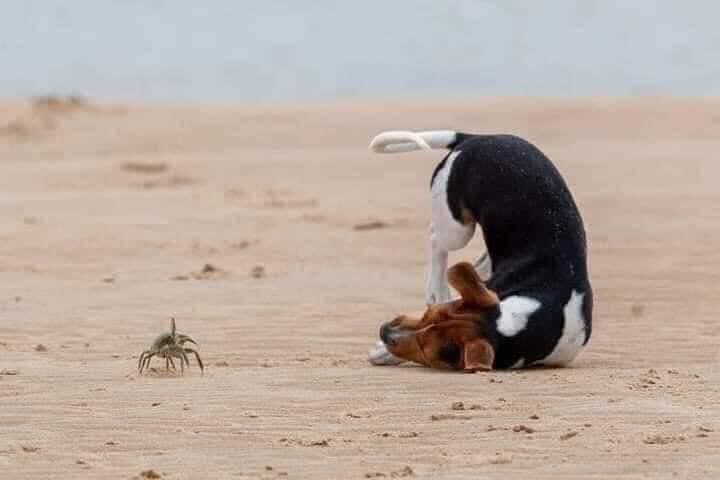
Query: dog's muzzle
(387, 334)
(392, 332)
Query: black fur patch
(459, 138)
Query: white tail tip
(407, 141)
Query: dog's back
(530, 222)
(535, 237)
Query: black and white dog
(536, 259)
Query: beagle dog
(528, 300)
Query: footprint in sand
(271, 198)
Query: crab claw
(185, 338)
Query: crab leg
(184, 355)
(140, 359)
(197, 356)
(146, 361)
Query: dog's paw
(379, 355)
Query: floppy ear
(463, 277)
(479, 355)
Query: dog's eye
(449, 353)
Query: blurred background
(283, 50)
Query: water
(283, 50)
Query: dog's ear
(466, 281)
(478, 355)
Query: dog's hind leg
(483, 267)
(446, 234)
(437, 290)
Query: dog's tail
(407, 141)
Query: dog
(528, 299)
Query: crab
(170, 345)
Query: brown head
(450, 335)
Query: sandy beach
(280, 243)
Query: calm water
(280, 50)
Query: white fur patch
(514, 313)
(519, 364)
(573, 336)
(446, 232)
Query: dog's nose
(385, 334)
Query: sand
(110, 213)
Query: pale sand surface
(93, 238)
